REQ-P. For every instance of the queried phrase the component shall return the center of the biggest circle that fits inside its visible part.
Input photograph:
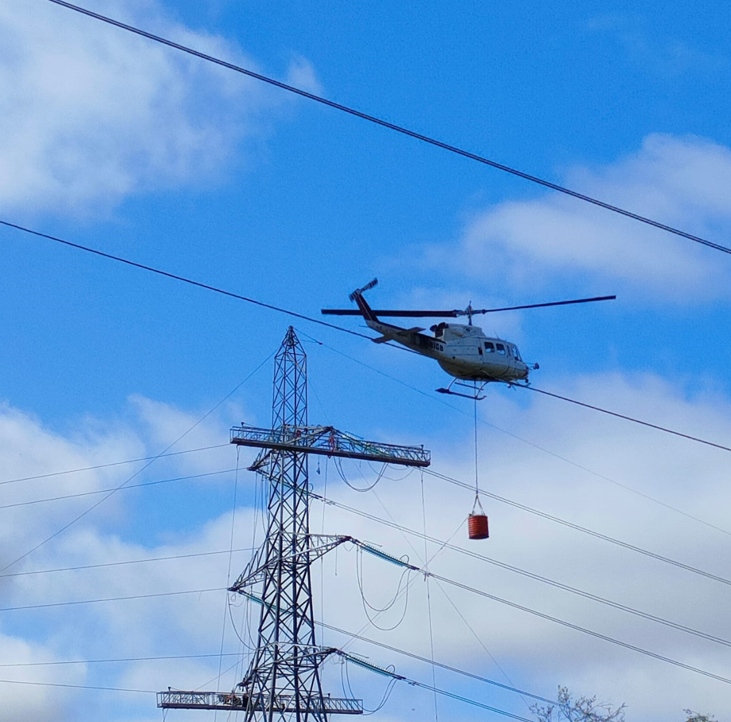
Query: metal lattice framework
(326, 441)
(286, 661)
(283, 680)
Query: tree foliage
(695, 717)
(582, 709)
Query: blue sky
(112, 142)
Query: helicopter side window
(501, 349)
(489, 346)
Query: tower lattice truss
(283, 679)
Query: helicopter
(462, 350)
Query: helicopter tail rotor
(360, 291)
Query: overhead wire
(413, 578)
(389, 605)
(443, 545)
(590, 407)
(77, 686)
(579, 628)
(103, 600)
(230, 560)
(462, 698)
(341, 473)
(189, 281)
(358, 637)
(535, 577)
(575, 627)
(110, 464)
(117, 660)
(544, 450)
(102, 565)
(113, 491)
(349, 691)
(586, 530)
(278, 309)
(96, 492)
(428, 594)
(394, 127)
(426, 660)
(439, 577)
(412, 682)
(479, 639)
(625, 417)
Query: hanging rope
(477, 504)
(477, 509)
(428, 597)
(228, 572)
(322, 558)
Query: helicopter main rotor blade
(456, 313)
(543, 305)
(391, 312)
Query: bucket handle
(477, 509)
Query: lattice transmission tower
(283, 679)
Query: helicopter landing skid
(476, 394)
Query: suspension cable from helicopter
(585, 530)
(596, 474)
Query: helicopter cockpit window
(516, 353)
(489, 346)
(501, 349)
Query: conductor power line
(396, 128)
(176, 277)
(304, 317)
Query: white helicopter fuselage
(462, 350)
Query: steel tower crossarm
(326, 441)
(239, 702)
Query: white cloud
(678, 181)
(665, 58)
(536, 654)
(33, 701)
(302, 75)
(90, 114)
(539, 654)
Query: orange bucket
(477, 526)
